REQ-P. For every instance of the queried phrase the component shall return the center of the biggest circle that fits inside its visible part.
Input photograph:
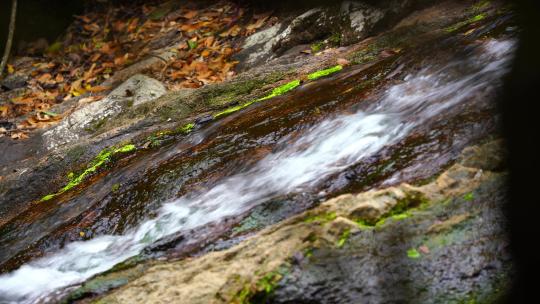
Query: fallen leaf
(4, 111)
(233, 31)
(190, 14)
(257, 24)
(19, 135)
(98, 89)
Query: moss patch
(469, 196)
(325, 72)
(461, 24)
(275, 92)
(262, 290)
(103, 157)
(400, 211)
(321, 218)
(343, 238)
(413, 253)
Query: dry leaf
(19, 135)
(190, 14)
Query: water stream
(300, 164)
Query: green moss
(481, 5)
(325, 72)
(400, 211)
(225, 93)
(308, 252)
(262, 289)
(461, 24)
(401, 216)
(232, 110)
(322, 218)
(362, 224)
(343, 238)
(413, 253)
(469, 196)
(282, 89)
(125, 149)
(115, 187)
(103, 157)
(275, 92)
(317, 46)
(192, 44)
(48, 197)
(187, 128)
(335, 39)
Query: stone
(137, 90)
(13, 81)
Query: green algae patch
(343, 238)
(262, 290)
(282, 89)
(103, 157)
(401, 216)
(469, 196)
(402, 210)
(461, 24)
(413, 253)
(325, 72)
(275, 92)
(187, 128)
(322, 218)
(48, 197)
(232, 109)
(115, 187)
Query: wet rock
(137, 90)
(361, 19)
(311, 25)
(448, 250)
(13, 81)
(341, 23)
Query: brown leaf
(98, 89)
(233, 31)
(205, 53)
(190, 14)
(95, 57)
(44, 78)
(19, 135)
(59, 78)
(257, 24)
(4, 110)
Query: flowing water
(300, 162)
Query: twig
(10, 37)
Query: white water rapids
(325, 149)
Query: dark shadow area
(521, 130)
(37, 19)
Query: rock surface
(340, 24)
(445, 244)
(133, 92)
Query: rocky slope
(443, 242)
(433, 232)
